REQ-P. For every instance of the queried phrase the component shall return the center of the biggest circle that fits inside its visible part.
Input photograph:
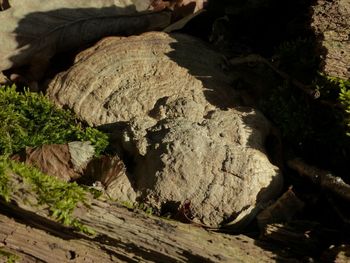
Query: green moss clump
(5, 189)
(29, 119)
(315, 129)
(138, 206)
(283, 106)
(60, 197)
(344, 97)
(10, 258)
(300, 60)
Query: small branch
(322, 178)
(254, 58)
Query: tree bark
(121, 235)
(331, 24)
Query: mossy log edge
(121, 235)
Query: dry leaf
(32, 31)
(181, 23)
(181, 8)
(4, 4)
(64, 161)
(183, 12)
(104, 169)
(196, 4)
(110, 172)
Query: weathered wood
(301, 238)
(121, 236)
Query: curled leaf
(195, 4)
(110, 173)
(64, 161)
(4, 4)
(31, 32)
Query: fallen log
(31, 235)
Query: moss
(30, 119)
(301, 61)
(60, 197)
(315, 129)
(9, 257)
(298, 58)
(138, 206)
(343, 87)
(5, 189)
(285, 108)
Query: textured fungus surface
(120, 78)
(188, 139)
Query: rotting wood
(302, 237)
(121, 236)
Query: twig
(322, 178)
(254, 58)
(338, 211)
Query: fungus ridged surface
(182, 127)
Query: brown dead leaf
(195, 4)
(181, 23)
(64, 161)
(4, 4)
(105, 169)
(108, 174)
(32, 32)
(181, 8)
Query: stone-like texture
(217, 162)
(331, 22)
(187, 141)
